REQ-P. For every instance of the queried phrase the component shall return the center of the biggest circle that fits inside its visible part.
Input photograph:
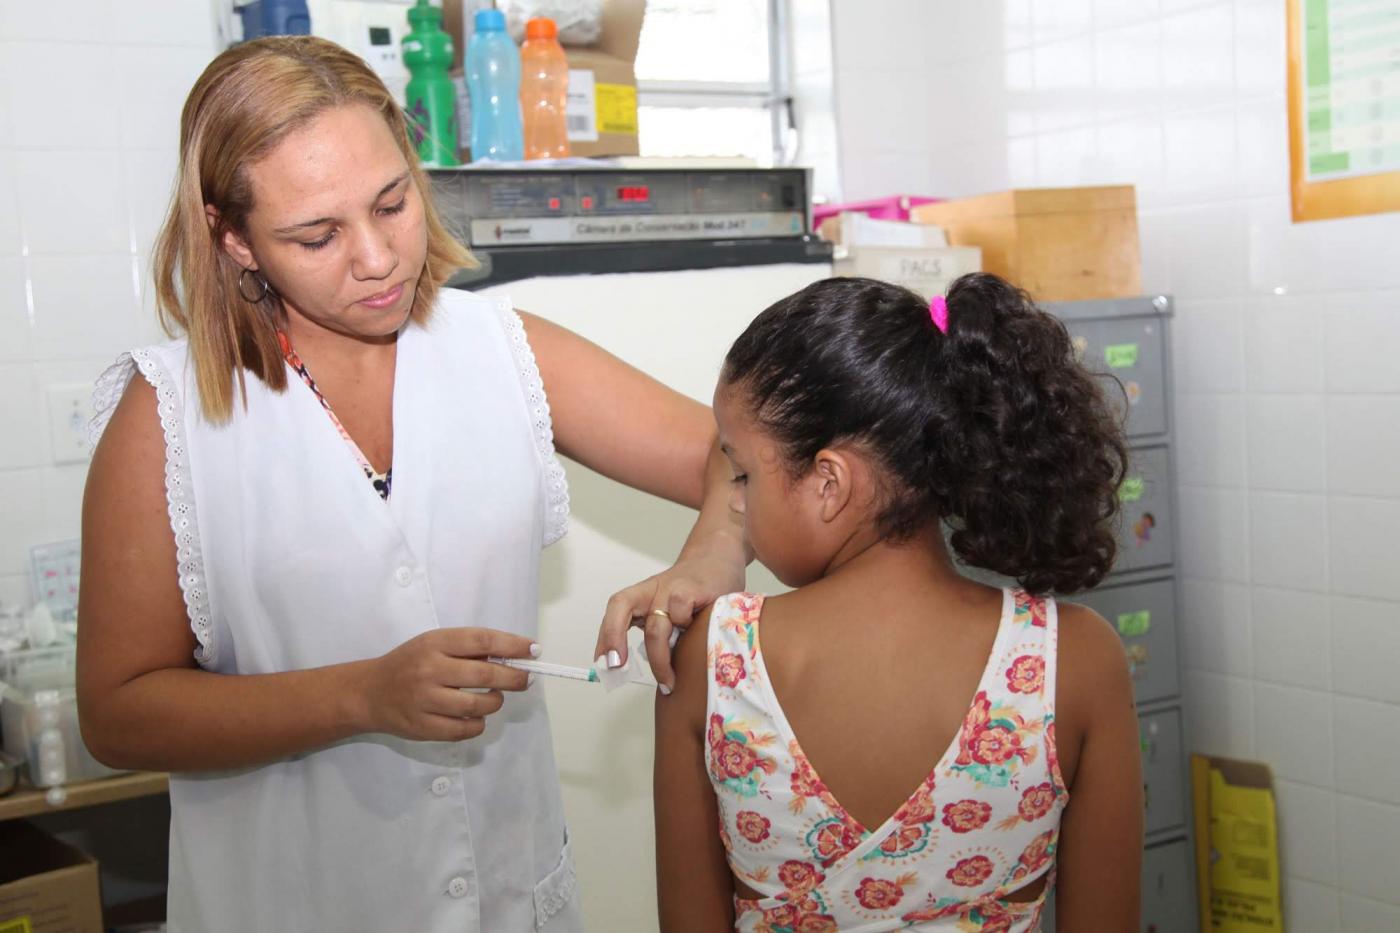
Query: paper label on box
(861, 230)
(17, 925)
(580, 114)
(927, 272)
(617, 109)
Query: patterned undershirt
(382, 482)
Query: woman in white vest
(336, 486)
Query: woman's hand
(624, 424)
(711, 565)
(439, 687)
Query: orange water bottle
(544, 91)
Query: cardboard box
(602, 110)
(46, 886)
(927, 272)
(851, 229)
(1059, 244)
(1237, 850)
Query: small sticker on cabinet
(1121, 355)
(1134, 623)
(1142, 528)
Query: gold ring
(663, 613)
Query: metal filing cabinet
(1129, 339)
(1145, 536)
(1144, 614)
(1132, 350)
(1166, 872)
(1163, 772)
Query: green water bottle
(430, 101)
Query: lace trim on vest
(179, 485)
(557, 890)
(556, 483)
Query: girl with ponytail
(892, 745)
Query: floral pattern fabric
(983, 823)
(382, 482)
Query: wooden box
(1059, 244)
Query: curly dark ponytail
(993, 427)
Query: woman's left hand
(711, 565)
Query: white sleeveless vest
(288, 559)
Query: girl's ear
(832, 482)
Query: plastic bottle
(430, 99)
(493, 78)
(544, 91)
(50, 765)
(275, 18)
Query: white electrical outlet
(70, 410)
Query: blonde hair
(245, 103)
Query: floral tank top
(983, 824)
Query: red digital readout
(633, 193)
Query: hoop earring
(242, 293)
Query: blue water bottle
(275, 18)
(493, 80)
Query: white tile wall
(1287, 392)
(1295, 733)
(1214, 527)
(62, 96)
(1198, 50)
(1310, 906)
(72, 201)
(1363, 445)
(1288, 540)
(1210, 449)
(21, 415)
(1208, 345)
(1365, 644)
(90, 96)
(1283, 353)
(1360, 338)
(22, 504)
(1362, 543)
(1307, 821)
(74, 22)
(1128, 71)
(1366, 862)
(1219, 714)
(10, 235)
(1215, 622)
(1361, 728)
(1200, 153)
(1363, 915)
(1292, 637)
(1287, 442)
(14, 310)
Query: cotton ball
(580, 22)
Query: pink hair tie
(938, 310)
